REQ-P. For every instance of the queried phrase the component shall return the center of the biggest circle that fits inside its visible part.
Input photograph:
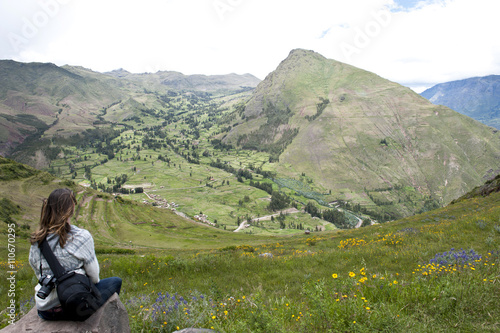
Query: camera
(47, 282)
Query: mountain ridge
(200, 82)
(40, 98)
(372, 134)
(476, 97)
(44, 99)
(349, 132)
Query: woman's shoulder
(79, 235)
(80, 244)
(76, 231)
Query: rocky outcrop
(110, 318)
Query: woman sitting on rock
(72, 246)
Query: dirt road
(244, 224)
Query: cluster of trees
(349, 206)
(243, 173)
(268, 187)
(239, 173)
(379, 202)
(291, 225)
(281, 219)
(331, 215)
(320, 107)
(379, 215)
(152, 143)
(115, 188)
(192, 157)
(218, 144)
(265, 174)
(245, 199)
(279, 201)
(164, 159)
(7, 209)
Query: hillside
(477, 97)
(40, 99)
(363, 137)
(113, 220)
(437, 271)
(491, 186)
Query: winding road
(244, 224)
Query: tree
(278, 201)
(312, 210)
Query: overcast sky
(415, 43)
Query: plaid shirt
(77, 255)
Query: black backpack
(78, 296)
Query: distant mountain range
(179, 81)
(367, 138)
(43, 99)
(477, 97)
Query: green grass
(178, 181)
(375, 278)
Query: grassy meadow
(438, 271)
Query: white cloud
(435, 42)
(439, 42)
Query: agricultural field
(175, 158)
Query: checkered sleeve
(82, 246)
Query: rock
(112, 317)
(266, 255)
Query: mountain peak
(120, 72)
(303, 52)
(341, 123)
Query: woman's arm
(92, 270)
(82, 247)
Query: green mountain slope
(43, 99)
(114, 221)
(437, 271)
(364, 138)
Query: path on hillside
(360, 222)
(244, 224)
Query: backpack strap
(54, 264)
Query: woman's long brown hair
(54, 218)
